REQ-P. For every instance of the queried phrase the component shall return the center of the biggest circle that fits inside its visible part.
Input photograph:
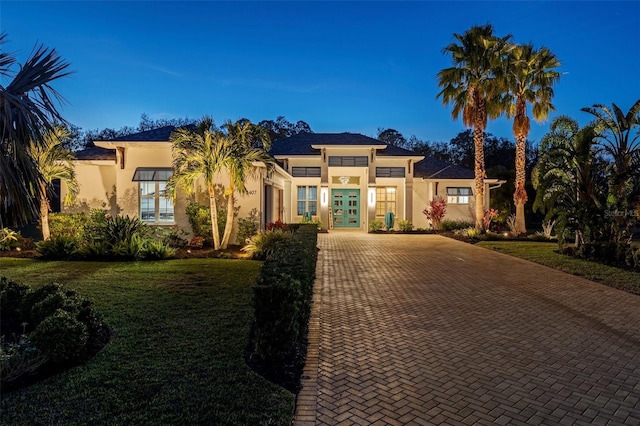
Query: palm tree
(569, 179)
(27, 110)
(529, 78)
(54, 161)
(250, 146)
(473, 89)
(202, 153)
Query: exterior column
(408, 201)
(286, 202)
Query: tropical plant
(529, 77)
(512, 224)
(263, 244)
(488, 217)
(27, 110)
(54, 161)
(376, 225)
(570, 182)
(9, 239)
(435, 211)
(250, 144)
(248, 227)
(405, 225)
(472, 87)
(619, 139)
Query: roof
(301, 144)
(96, 153)
(160, 134)
(432, 168)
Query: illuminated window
(385, 200)
(458, 195)
(155, 206)
(307, 200)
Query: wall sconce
(324, 196)
(372, 197)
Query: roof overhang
(115, 144)
(320, 146)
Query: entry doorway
(345, 207)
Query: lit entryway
(345, 205)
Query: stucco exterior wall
(97, 182)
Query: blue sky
(339, 66)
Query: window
(390, 172)
(307, 200)
(305, 171)
(361, 161)
(155, 206)
(458, 195)
(385, 200)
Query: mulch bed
(232, 252)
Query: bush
(172, 236)
(405, 226)
(263, 244)
(60, 248)
(470, 232)
(452, 225)
(9, 239)
(248, 227)
(200, 221)
(156, 250)
(376, 225)
(283, 293)
(435, 211)
(60, 336)
(278, 225)
(196, 242)
(67, 224)
(44, 328)
(615, 254)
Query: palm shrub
(262, 245)
(58, 247)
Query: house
(344, 180)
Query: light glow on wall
(372, 197)
(324, 196)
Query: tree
(251, 144)
(27, 110)
(282, 128)
(391, 137)
(54, 161)
(619, 139)
(529, 77)
(569, 180)
(473, 89)
(202, 153)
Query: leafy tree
(282, 128)
(474, 91)
(529, 77)
(54, 161)
(27, 110)
(391, 137)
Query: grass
(544, 253)
(180, 328)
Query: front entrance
(345, 207)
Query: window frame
(307, 200)
(385, 201)
(459, 194)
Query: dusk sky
(339, 66)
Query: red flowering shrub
(436, 211)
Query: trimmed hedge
(283, 295)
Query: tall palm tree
(474, 91)
(569, 179)
(202, 153)
(27, 109)
(54, 161)
(250, 149)
(529, 78)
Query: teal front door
(345, 207)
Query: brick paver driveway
(421, 329)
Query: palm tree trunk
(214, 217)
(520, 194)
(44, 213)
(228, 226)
(478, 141)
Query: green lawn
(180, 326)
(544, 253)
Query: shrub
(50, 323)
(248, 227)
(488, 217)
(67, 224)
(27, 244)
(59, 248)
(405, 225)
(547, 228)
(9, 239)
(278, 225)
(376, 225)
(282, 295)
(60, 336)
(263, 244)
(511, 223)
(470, 232)
(196, 242)
(200, 220)
(172, 236)
(452, 225)
(435, 211)
(156, 250)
